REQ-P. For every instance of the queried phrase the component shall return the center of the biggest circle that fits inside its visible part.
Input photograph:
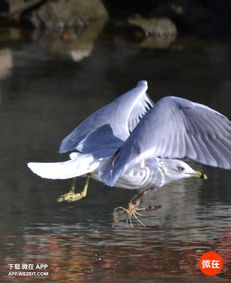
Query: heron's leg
(136, 200)
(71, 195)
(73, 184)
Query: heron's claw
(133, 210)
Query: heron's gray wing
(175, 128)
(106, 130)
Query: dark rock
(11, 11)
(16, 7)
(153, 26)
(189, 16)
(68, 13)
(74, 44)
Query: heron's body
(147, 173)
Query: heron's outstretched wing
(106, 130)
(175, 128)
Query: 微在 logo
(211, 263)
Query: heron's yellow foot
(72, 196)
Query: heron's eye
(180, 168)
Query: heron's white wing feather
(175, 128)
(82, 165)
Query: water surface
(47, 86)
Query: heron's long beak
(199, 175)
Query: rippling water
(47, 86)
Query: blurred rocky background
(201, 17)
(146, 17)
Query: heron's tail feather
(64, 170)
